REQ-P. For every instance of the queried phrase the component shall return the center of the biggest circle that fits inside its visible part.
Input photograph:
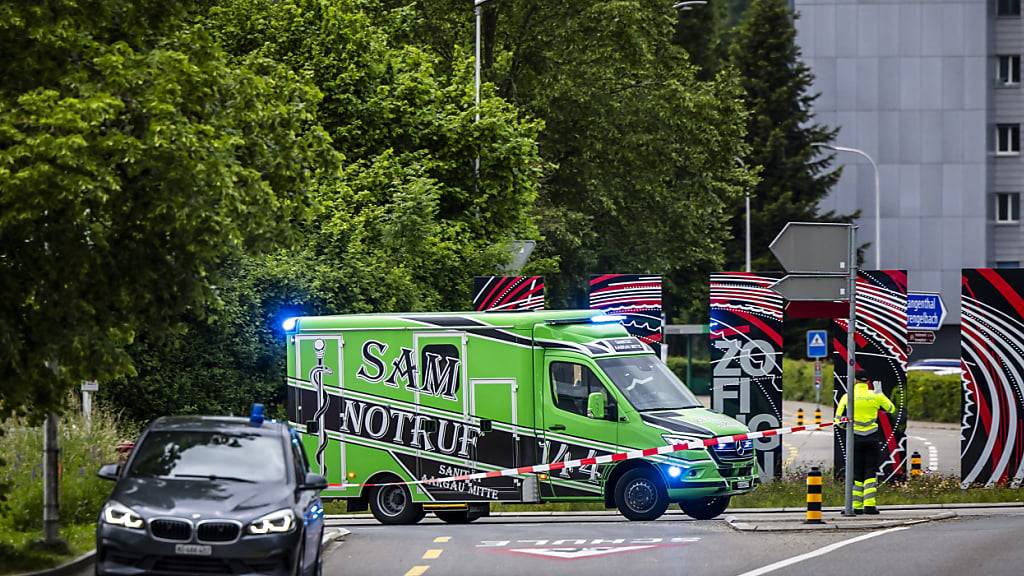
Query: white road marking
(819, 552)
(933, 453)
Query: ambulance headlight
(117, 514)
(274, 523)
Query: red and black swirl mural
(635, 296)
(508, 293)
(992, 360)
(881, 340)
(746, 357)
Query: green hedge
(929, 397)
(700, 373)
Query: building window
(1008, 264)
(1008, 70)
(1008, 7)
(1007, 207)
(1008, 139)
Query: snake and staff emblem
(316, 376)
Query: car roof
(214, 424)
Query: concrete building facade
(931, 90)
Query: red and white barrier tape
(607, 458)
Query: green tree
(642, 148)
(699, 31)
(781, 132)
(404, 226)
(135, 158)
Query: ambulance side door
(568, 431)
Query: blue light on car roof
(603, 318)
(256, 415)
(289, 324)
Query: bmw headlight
(117, 514)
(274, 523)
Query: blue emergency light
(256, 415)
(289, 324)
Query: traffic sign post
(817, 382)
(820, 257)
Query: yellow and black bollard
(814, 497)
(817, 415)
(799, 416)
(915, 464)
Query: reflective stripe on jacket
(866, 404)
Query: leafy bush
(83, 450)
(930, 397)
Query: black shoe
(858, 511)
(870, 510)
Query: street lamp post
(478, 9)
(878, 197)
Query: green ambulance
(402, 397)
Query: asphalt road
(983, 544)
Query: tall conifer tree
(795, 176)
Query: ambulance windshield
(648, 384)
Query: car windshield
(241, 456)
(648, 384)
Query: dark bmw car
(206, 495)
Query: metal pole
(478, 10)
(878, 216)
(51, 482)
(851, 367)
(748, 233)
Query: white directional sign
(812, 288)
(813, 248)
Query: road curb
(843, 524)
(67, 568)
(800, 509)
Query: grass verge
(18, 555)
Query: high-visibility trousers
(865, 469)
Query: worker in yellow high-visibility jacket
(866, 404)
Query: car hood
(152, 496)
(693, 422)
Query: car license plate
(742, 484)
(193, 550)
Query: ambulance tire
(458, 516)
(641, 495)
(394, 505)
(704, 508)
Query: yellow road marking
(417, 570)
(432, 553)
(442, 538)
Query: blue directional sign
(925, 311)
(817, 343)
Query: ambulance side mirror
(595, 405)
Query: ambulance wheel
(704, 508)
(394, 505)
(641, 495)
(458, 516)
